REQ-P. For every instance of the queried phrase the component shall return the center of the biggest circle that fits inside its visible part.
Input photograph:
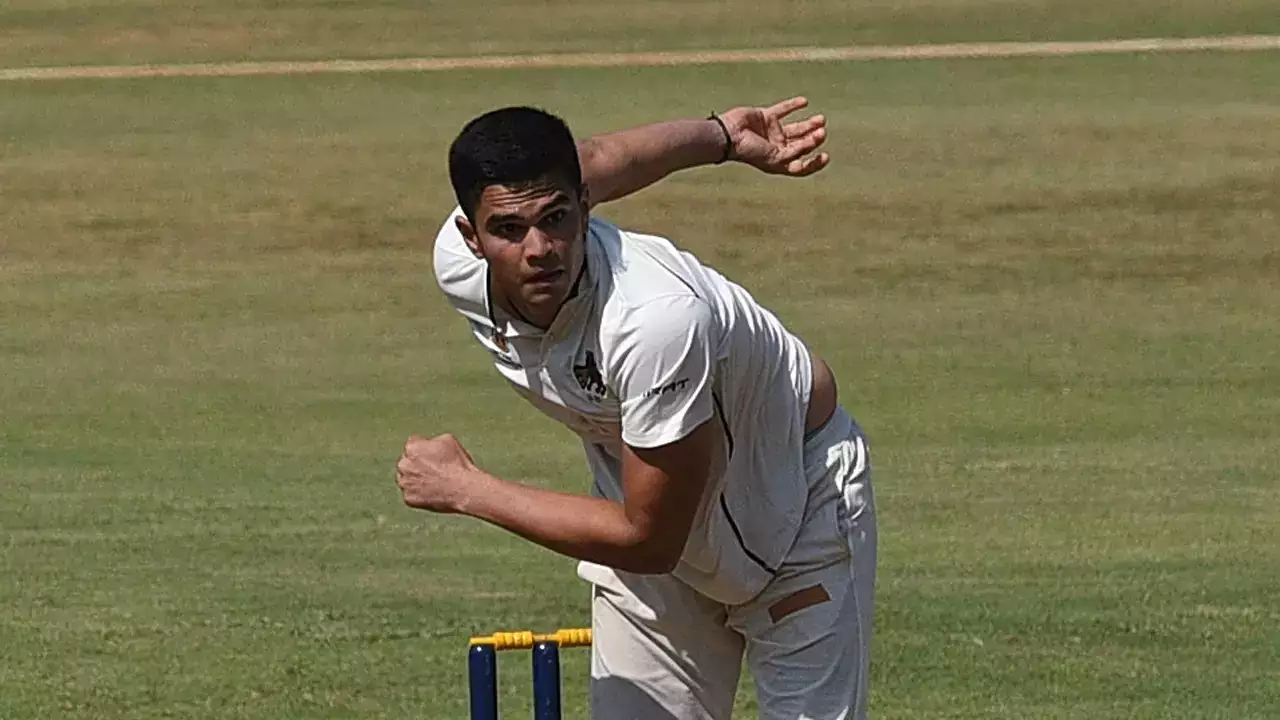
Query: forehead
(523, 199)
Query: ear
(469, 236)
(584, 210)
(584, 197)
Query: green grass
(1047, 286)
(52, 32)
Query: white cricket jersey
(653, 344)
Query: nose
(537, 245)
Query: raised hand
(762, 140)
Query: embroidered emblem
(588, 376)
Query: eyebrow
(559, 199)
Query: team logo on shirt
(588, 376)
(501, 350)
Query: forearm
(585, 528)
(620, 163)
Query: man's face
(533, 239)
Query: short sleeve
(460, 275)
(661, 369)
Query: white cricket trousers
(662, 651)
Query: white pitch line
(1235, 43)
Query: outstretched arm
(617, 164)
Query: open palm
(762, 140)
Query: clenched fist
(432, 473)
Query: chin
(542, 303)
(546, 296)
(547, 305)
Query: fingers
(801, 128)
(786, 107)
(808, 166)
(418, 440)
(795, 149)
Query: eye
(509, 230)
(555, 217)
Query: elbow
(656, 556)
(654, 565)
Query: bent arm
(645, 534)
(662, 370)
(620, 163)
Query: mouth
(545, 277)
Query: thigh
(660, 651)
(809, 651)
(808, 635)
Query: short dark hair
(511, 146)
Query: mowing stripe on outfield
(1235, 43)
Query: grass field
(1049, 288)
(52, 32)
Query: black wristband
(728, 139)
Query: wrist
(725, 138)
(474, 488)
